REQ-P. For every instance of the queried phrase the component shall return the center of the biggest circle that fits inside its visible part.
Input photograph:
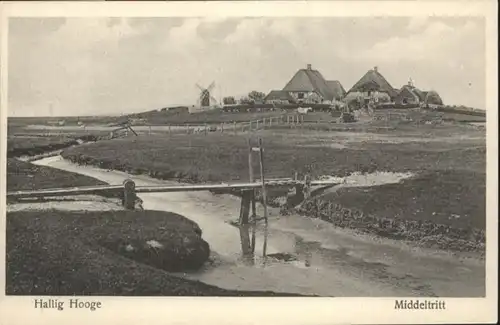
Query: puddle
(358, 179)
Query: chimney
(375, 68)
(309, 67)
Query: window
(300, 95)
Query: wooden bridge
(128, 192)
(86, 190)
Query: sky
(91, 66)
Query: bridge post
(129, 195)
(306, 189)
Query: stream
(329, 261)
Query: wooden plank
(65, 191)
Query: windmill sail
(206, 98)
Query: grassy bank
(68, 253)
(26, 176)
(450, 177)
(444, 209)
(18, 146)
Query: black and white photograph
(246, 156)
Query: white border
(19, 310)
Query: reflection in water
(299, 250)
(304, 250)
(247, 253)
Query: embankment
(33, 146)
(444, 209)
(109, 253)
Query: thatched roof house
(279, 97)
(433, 98)
(309, 86)
(406, 95)
(336, 88)
(373, 81)
(409, 94)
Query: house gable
(338, 91)
(373, 81)
(279, 96)
(407, 95)
(310, 81)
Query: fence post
(222, 127)
(257, 126)
(129, 195)
(270, 122)
(234, 127)
(264, 197)
(205, 129)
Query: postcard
(273, 162)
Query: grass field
(221, 157)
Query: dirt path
(341, 262)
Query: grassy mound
(68, 253)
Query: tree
(256, 96)
(245, 100)
(228, 100)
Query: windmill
(206, 99)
